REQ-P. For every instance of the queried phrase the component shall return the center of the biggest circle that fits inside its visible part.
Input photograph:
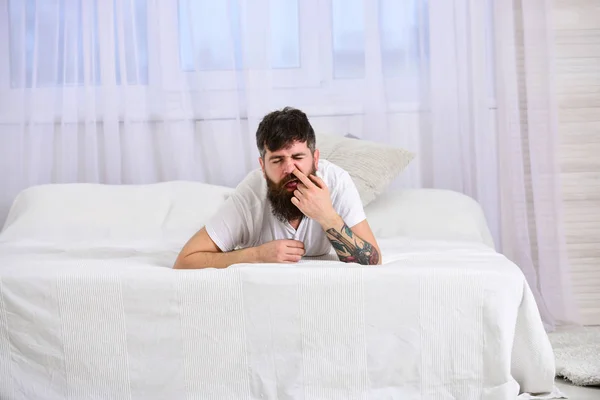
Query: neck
(295, 222)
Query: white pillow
(428, 214)
(372, 166)
(171, 212)
(81, 212)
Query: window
(269, 40)
(399, 37)
(305, 51)
(210, 35)
(307, 44)
(58, 42)
(387, 40)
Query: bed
(91, 309)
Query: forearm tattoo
(351, 248)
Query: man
(294, 206)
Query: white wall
(577, 51)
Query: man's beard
(281, 199)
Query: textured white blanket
(438, 320)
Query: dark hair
(279, 129)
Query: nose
(289, 167)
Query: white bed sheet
(439, 320)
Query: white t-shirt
(246, 219)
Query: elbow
(378, 258)
(375, 257)
(363, 259)
(178, 264)
(183, 262)
(373, 263)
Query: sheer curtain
(139, 91)
(531, 210)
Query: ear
(316, 156)
(262, 164)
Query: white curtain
(530, 198)
(139, 91)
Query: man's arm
(201, 252)
(356, 244)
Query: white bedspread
(438, 321)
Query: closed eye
(294, 157)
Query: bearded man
(294, 206)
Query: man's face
(281, 182)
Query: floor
(578, 392)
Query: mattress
(439, 320)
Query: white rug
(577, 354)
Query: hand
(281, 251)
(312, 198)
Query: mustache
(292, 178)
(288, 179)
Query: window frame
(13, 107)
(174, 76)
(312, 86)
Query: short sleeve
(347, 201)
(228, 228)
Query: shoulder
(333, 175)
(252, 190)
(342, 188)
